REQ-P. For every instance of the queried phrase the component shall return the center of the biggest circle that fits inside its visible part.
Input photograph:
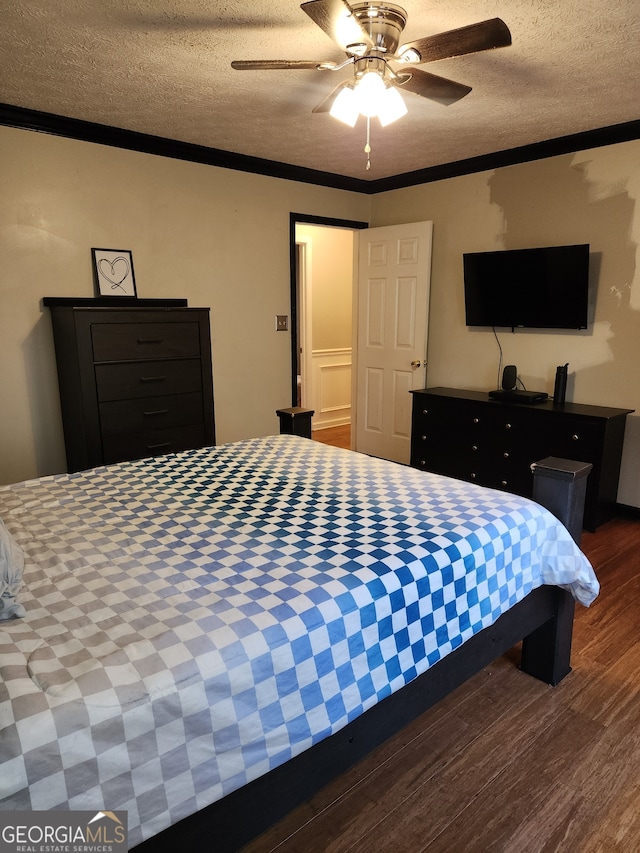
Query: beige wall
(331, 285)
(218, 237)
(589, 197)
(221, 239)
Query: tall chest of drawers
(464, 434)
(134, 381)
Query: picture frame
(113, 272)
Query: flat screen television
(546, 288)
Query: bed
(203, 638)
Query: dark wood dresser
(135, 380)
(466, 435)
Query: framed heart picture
(113, 272)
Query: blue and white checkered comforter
(195, 620)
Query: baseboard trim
(331, 424)
(627, 511)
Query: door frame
(305, 308)
(307, 219)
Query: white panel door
(394, 276)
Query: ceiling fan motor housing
(384, 22)
(367, 63)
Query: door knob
(417, 363)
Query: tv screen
(545, 288)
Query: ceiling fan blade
(275, 64)
(325, 105)
(337, 20)
(431, 86)
(485, 35)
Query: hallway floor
(339, 436)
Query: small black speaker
(509, 377)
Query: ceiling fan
(370, 32)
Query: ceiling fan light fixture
(369, 91)
(370, 97)
(345, 107)
(392, 106)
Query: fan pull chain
(367, 147)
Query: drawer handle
(476, 420)
(506, 454)
(423, 462)
(425, 411)
(150, 340)
(152, 378)
(158, 446)
(474, 447)
(157, 412)
(575, 437)
(423, 437)
(503, 483)
(507, 426)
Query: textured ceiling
(162, 67)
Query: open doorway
(391, 295)
(325, 322)
(322, 281)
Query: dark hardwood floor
(506, 763)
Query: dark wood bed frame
(543, 621)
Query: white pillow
(11, 566)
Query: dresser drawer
(147, 379)
(578, 439)
(119, 447)
(145, 413)
(124, 341)
(447, 438)
(509, 476)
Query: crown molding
(582, 141)
(42, 122)
(103, 134)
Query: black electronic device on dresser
(466, 435)
(135, 379)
